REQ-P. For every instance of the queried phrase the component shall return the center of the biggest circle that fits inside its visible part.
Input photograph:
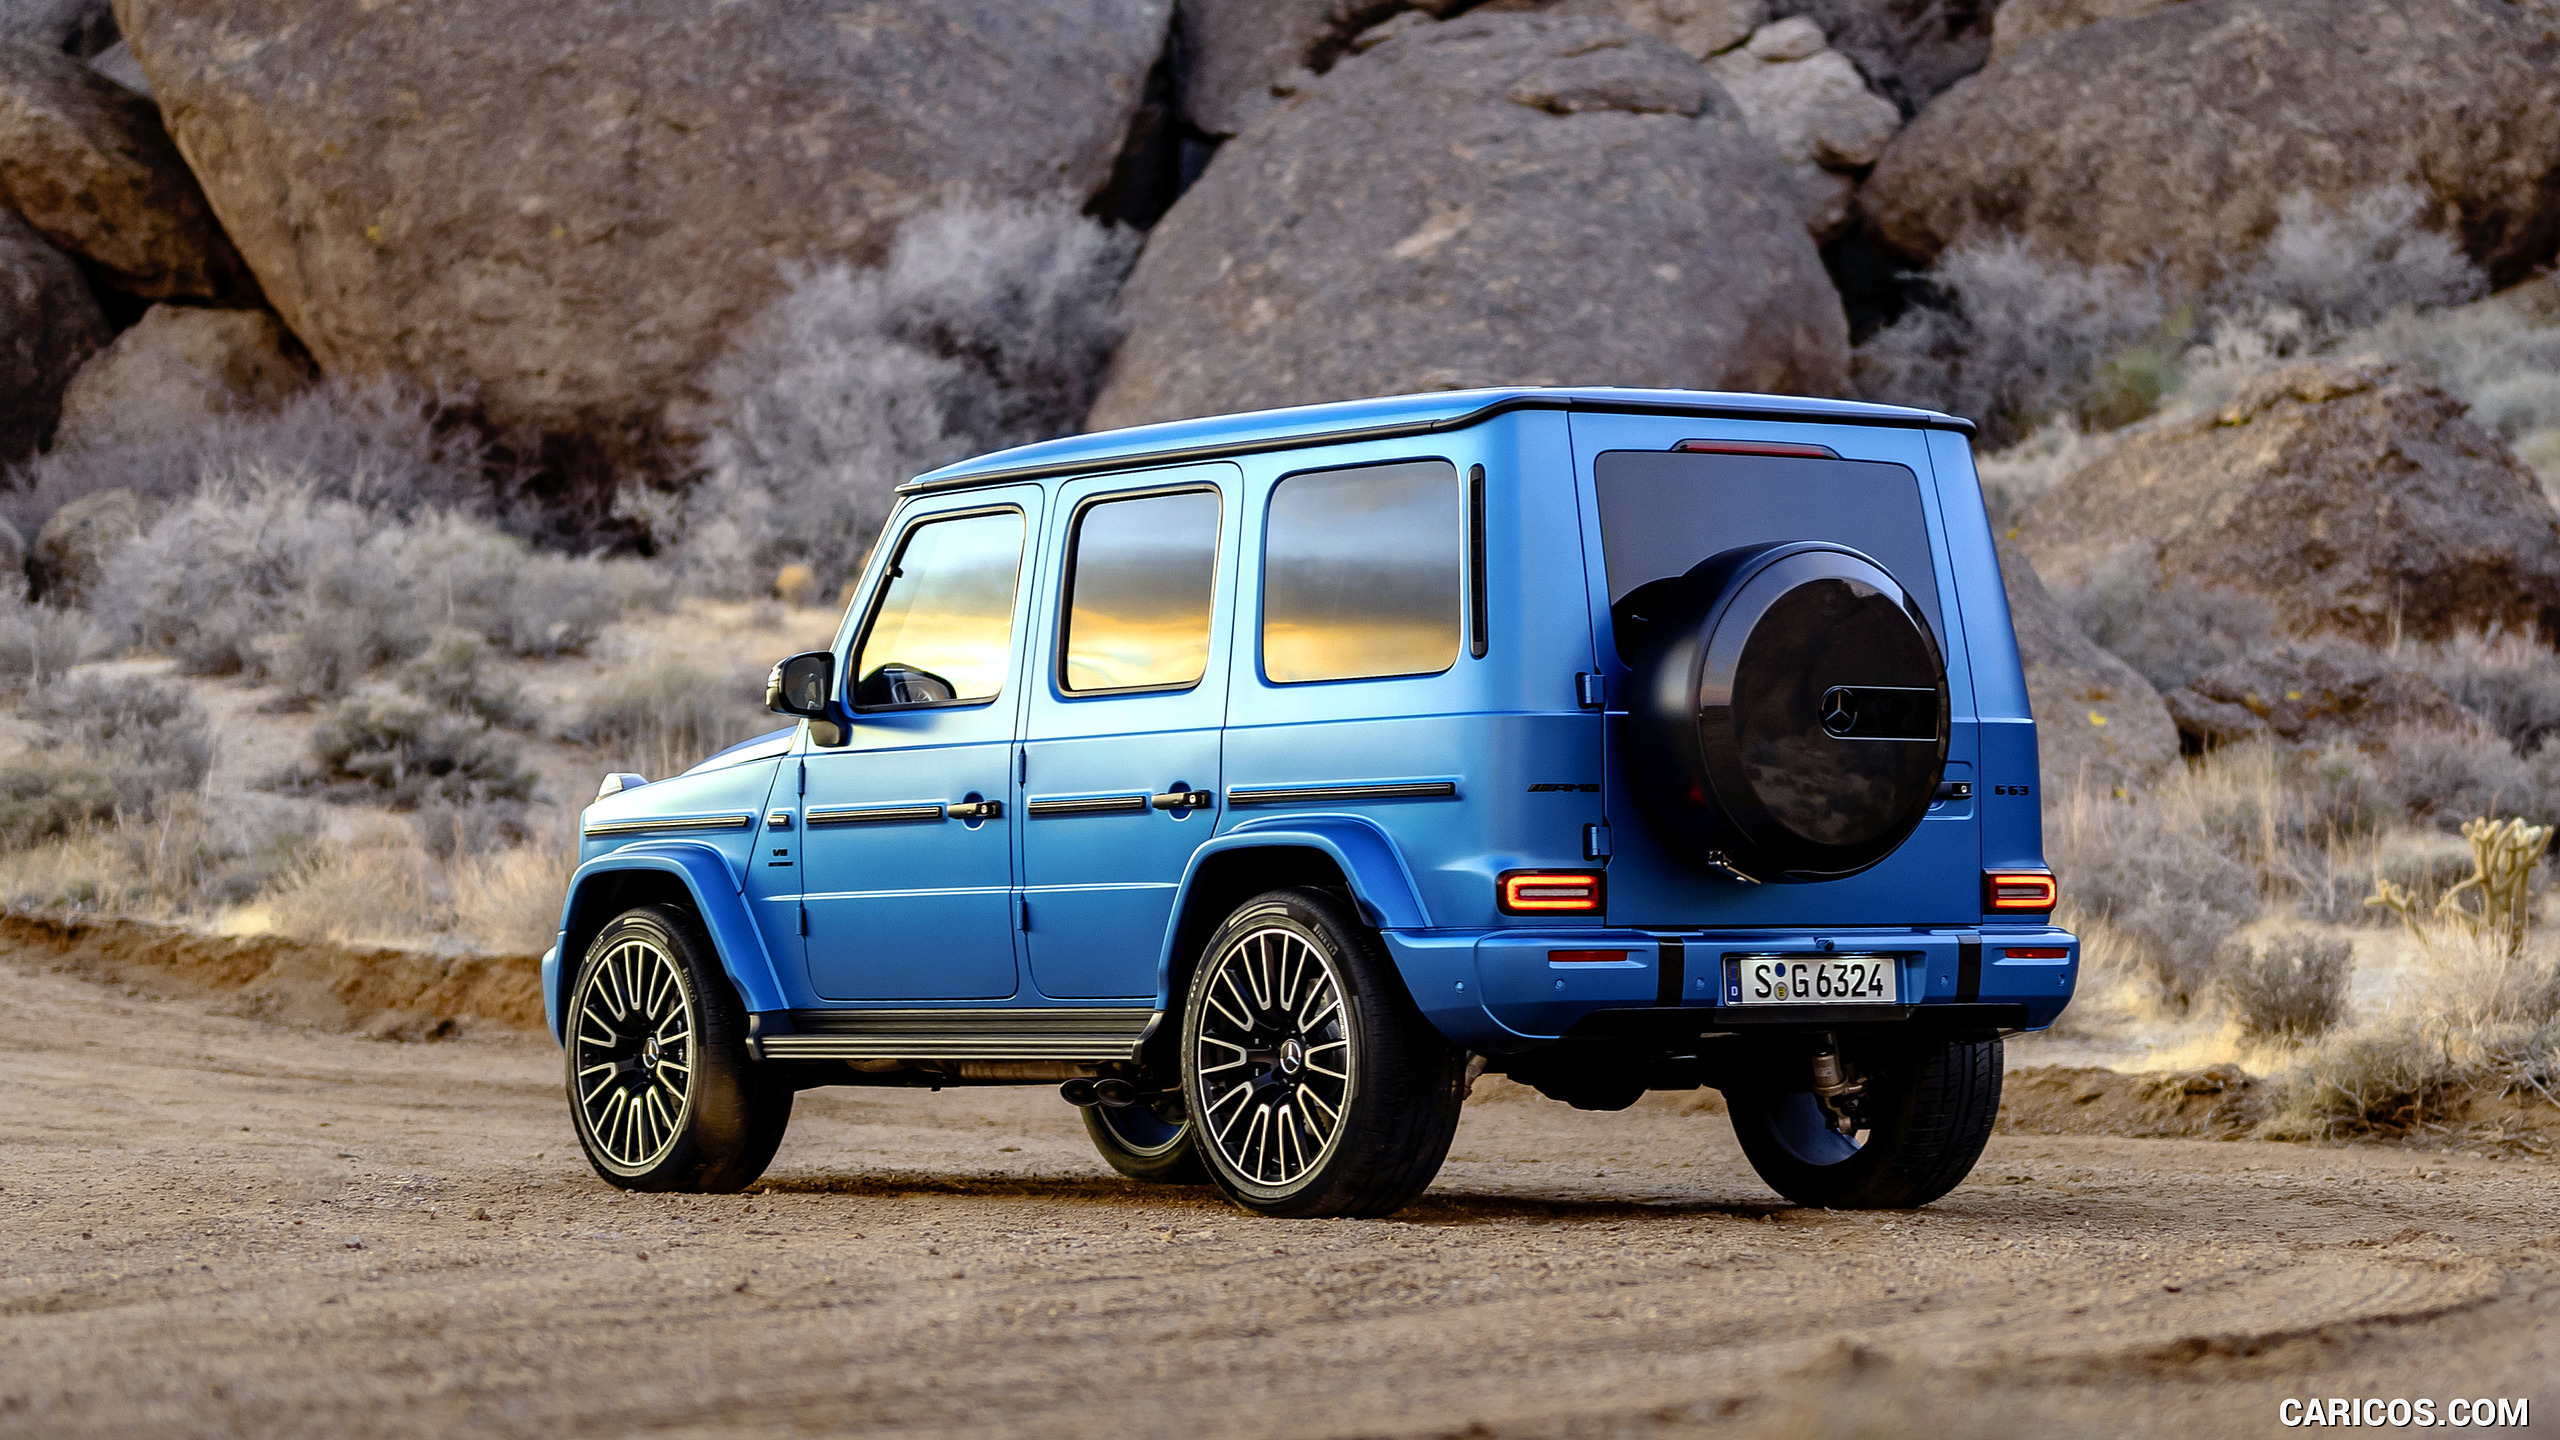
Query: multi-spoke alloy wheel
(631, 1053)
(1273, 1055)
(1313, 1085)
(660, 1086)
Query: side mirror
(805, 686)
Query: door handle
(975, 810)
(1184, 799)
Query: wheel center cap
(1292, 1055)
(649, 1053)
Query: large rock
(2098, 723)
(2020, 21)
(1815, 111)
(71, 550)
(2354, 496)
(1697, 28)
(76, 27)
(1500, 198)
(173, 370)
(2308, 694)
(1235, 51)
(1912, 49)
(2173, 138)
(49, 324)
(85, 161)
(569, 208)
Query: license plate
(1813, 980)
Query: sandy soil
(218, 1225)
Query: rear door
(1120, 775)
(1652, 510)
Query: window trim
(1262, 577)
(880, 594)
(1067, 589)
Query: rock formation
(2098, 723)
(2355, 496)
(1500, 198)
(1815, 111)
(2173, 138)
(49, 324)
(173, 370)
(568, 209)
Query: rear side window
(1663, 512)
(1139, 594)
(943, 634)
(1361, 573)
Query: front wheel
(1316, 1088)
(1921, 1123)
(660, 1086)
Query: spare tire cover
(1788, 716)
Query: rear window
(1661, 512)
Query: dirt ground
(217, 1225)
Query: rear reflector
(1550, 892)
(1585, 957)
(2047, 953)
(2018, 890)
(1757, 447)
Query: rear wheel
(1316, 1087)
(1150, 1142)
(1914, 1133)
(660, 1087)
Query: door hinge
(1595, 842)
(1022, 913)
(1588, 689)
(804, 777)
(1021, 767)
(804, 919)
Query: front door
(906, 830)
(1121, 760)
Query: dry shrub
(2170, 633)
(2164, 889)
(106, 747)
(403, 755)
(194, 857)
(453, 674)
(2291, 985)
(2508, 679)
(274, 577)
(386, 884)
(2013, 338)
(370, 442)
(988, 327)
(39, 642)
(666, 717)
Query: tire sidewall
(1880, 1175)
(1176, 1162)
(1292, 911)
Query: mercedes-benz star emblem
(1839, 710)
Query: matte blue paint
(934, 911)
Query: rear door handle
(1184, 799)
(975, 810)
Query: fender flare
(1381, 882)
(717, 898)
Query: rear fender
(601, 887)
(1381, 883)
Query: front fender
(717, 898)
(1381, 883)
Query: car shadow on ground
(1453, 1208)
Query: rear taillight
(2018, 891)
(2041, 952)
(1586, 957)
(1550, 892)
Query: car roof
(1388, 417)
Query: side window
(1140, 586)
(1361, 573)
(943, 633)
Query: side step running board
(1091, 1033)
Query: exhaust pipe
(1079, 1092)
(1116, 1093)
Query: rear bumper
(1503, 991)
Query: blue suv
(1260, 780)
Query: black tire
(1929, 1108)
(1141, 1142)
(1255, 1002)
(651, 1004)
